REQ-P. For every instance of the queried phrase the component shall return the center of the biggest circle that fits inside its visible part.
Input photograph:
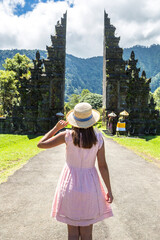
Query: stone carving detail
(123, 88)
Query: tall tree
(8, 91)
(20, 65)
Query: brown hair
(84, 137)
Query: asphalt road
(26, 198)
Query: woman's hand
(109, 197)
(60, 125)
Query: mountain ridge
(88, 72)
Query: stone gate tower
(123, 89)
(42, 96)
(114, 78)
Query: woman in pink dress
(80, 200)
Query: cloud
(137, 23)
(33, 29)
(9, 6)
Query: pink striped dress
(80, 198)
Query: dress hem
(83, 222)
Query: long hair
(84, 138)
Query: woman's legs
(86, 232)
(73, 232)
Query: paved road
(26, 198)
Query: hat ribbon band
(82, 119)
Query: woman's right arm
(49, 140)
(103, 168)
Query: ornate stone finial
(105, 13)
(37, 55)
(132, 55)
(152, 103)
(144, 74)
(58, 24)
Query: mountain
(88, 73)
(83, 74)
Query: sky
(28, 24)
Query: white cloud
(10, 5)
(136, 21)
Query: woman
(80, 200)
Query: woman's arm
(103, 168)
(49, 140)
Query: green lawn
(15, 150)
(146, 146)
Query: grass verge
(15, 151)
(147, 147)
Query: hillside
(87, 73)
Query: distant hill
(83, 74)
(88, 73)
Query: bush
(94, 99)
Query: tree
(95, 100)
(86, 96)
(73, 100)
(84, 92)
(20, 64)
(8, 91)
(156, 96)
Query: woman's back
(81, 157)
(80, 199)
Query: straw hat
(112, 114)
(124, 113)
(83, 116)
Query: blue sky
(29, 23)
(30, 5)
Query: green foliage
(87, 73)
(155, 83)
(73, 100)
(84, 92)
(11, 81)
(11, 53)
(20, 64)
(156, 96)
(8, 91)
(85, 96)
(94, 99)
(83, 74)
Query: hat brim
(75, 123)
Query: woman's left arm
(49, 140)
